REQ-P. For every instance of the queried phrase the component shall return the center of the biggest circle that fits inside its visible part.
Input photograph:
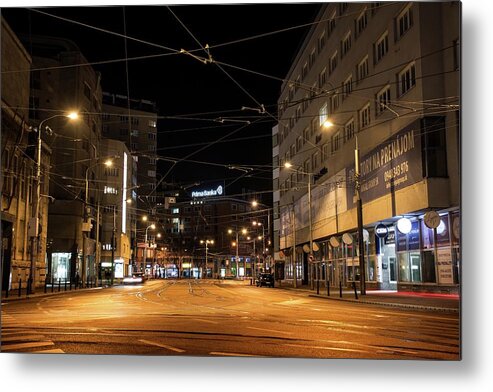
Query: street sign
(381, 230)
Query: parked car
(135, 278)
(265, 279)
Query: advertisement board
(392, 165)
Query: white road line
(54, 351)
(270, 330)
(19, 346)
(21, 337)
(178, 350)
(233, 354)
(206, 321)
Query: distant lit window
(322, 113)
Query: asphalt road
(210, 318)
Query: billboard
(212, 189)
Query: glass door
(392, 270)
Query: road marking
(54, 351)
(17, 332)
(270, 330)
(327, 348)
(22, 337)
(233, 354)
(178, 350)
(206, 321)
(19, 346)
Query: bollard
(318, 286)
(20, 287)
(328, 288)
(87, 283)
(76, 283)
(46, 284)
(340, 289)
(59, 283)
(7, 292)
(52, 284)
(355, 291)
(65, 283)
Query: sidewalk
(408, 300)
(13, 295)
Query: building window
(321, 42)
(299, 143)
(152, 161)
(361, 23)
(333, 63)
(334, 101)
(325, 152)
(404, 21)
(315, 160)
(321, 78)
(306, 101)
(306, 166)
(346, 44)
(332, 23)
(304, 71)
(335, 141)
(323, 114)
(297, 83)
(311, 59)
(151, 147)
(152, 123)
(291, 122)
(381, 47)
(349, 130)
(456, 54)
(407, 79)
(314, 126)
(434, 147)
(34, 108)
(292, 150)
(306, 134)
(291, 93)
(383, 99)
(363, 69)
(364, 116)
(151, 136)
(298, 113)
(347, 86)
(343, 8)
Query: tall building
(203, 224)
(24, 205)
(134, 122)
(59, 85)
(381, 79)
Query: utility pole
(359, 209)
(295, 272)
(113, 246)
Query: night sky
(183, 86)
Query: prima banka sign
(209, 191)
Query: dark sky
(180, 84)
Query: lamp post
(151, 226)
(107, 163)
(207, 242)
(71, 116)
(359, 210)
(310, 227)
(237, 244)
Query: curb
(43, 295)
(391, 304)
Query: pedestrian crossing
(15, 338)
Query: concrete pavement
(411, 300)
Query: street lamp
(207, 242)
(359, 211)
(71, 116)
(151, 226)
(237, 245)
(288, 165)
